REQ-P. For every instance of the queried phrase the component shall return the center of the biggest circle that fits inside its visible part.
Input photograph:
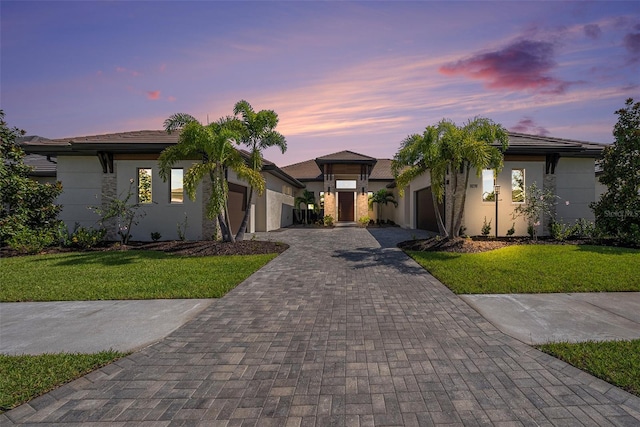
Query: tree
(257, 133)
(27, 208)
(382, 197)
(307, 198)
(447, 150)
(213, 144)
(618, 210)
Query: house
(94, 169)
(342, 182)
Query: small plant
(537, 203)
(155, 236)
(512, 230)
(486, 227)
(583, 228)
(328, 221)
(182, 228)
(85, 237)
(364, 221)
(126, 214)
(559, 231)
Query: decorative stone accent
(210, 230)
(109, 192)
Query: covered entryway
(425, 213)
(346, 206)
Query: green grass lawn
(536, 269)
(24, 377)
(86, 276)
(617, 362)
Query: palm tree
(447, 148)
(257, 133)
(307, 198)
(382, 197)
(213, 145)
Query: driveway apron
(341, 329)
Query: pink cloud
(528, 125)
(521, 65)
(127, 71)
(592, 31)
(153, 95)
(171, 98)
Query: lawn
(24, 377)
(536, 269)
(617, 362)
(110, 275)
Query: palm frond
(177, 121)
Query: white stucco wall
(476, 209)
(81, 178)
(274, 210)
(576, 184)
(161, 215)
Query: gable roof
(311, 170)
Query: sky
(357, 76)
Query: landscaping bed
(476, 244)
(177, 247)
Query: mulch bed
(186, 248)
(474, 245)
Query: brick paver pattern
(343, 329)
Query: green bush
(560, 231)
(30, 241)
(328, 220)
(364, 220)
(85, 237)
(486, 227)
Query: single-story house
(93, 169)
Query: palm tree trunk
(245, 218)
(457, 224)
(441, 228)
(223, 228)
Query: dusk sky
(357, 76)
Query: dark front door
(345, 206)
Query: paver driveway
(336, 331)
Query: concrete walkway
(341, 329)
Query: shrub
(583, 229)
(364, 220)
(31, 241)
(328, 220)
(560, 231)
(155, 236)
(512, 230)
(486, 227)
(86, 237)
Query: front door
(345, 206)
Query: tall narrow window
(322, 200)
(487, 186)
(517, 185)
(144, 185)
(177, 188)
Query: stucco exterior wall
(576, 184)
(161, 215)
(274, 209)
(476, 209)
(81, 178)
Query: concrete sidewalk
(544, 318)
(348, 331)
(91, 326)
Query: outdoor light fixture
(362, 190)
(329, 190)
(496, 193)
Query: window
(322, 200)
(144, 186)
(177, 188)
(345, 184)
(517, 185)
(487, 186)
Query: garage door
(425, 214)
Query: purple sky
(341, 75)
